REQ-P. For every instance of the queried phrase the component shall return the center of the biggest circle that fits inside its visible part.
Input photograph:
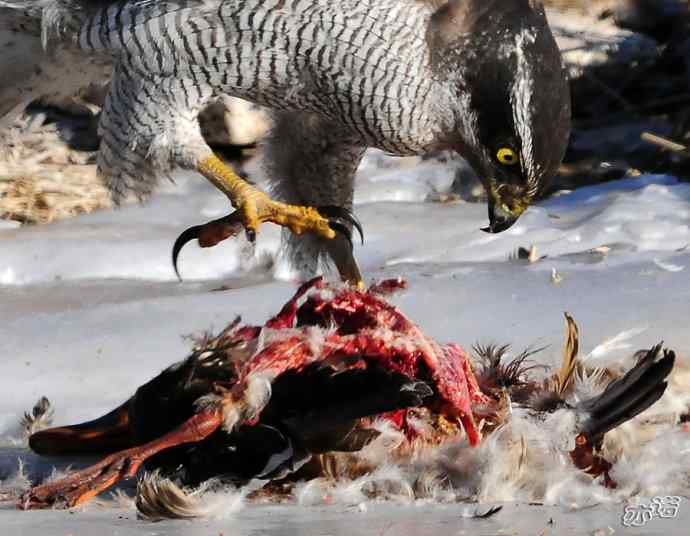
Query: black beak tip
(499, 220)
(498, 227)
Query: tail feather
(598, 427)
(630, 395)
(619, 387)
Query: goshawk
(480, 77)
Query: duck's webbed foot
(254, 207)
(79, 487)
(586, 457)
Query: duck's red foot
(83, 485)
(584, 457)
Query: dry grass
(582, 6)
(42, 194)
(42, 179)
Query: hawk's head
(512, 99)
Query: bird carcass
(261, 401)
(298, 385)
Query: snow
(91, 307)
(379, 519)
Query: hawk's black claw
(209, 234)
(187, 236)
(342, 220)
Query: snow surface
(90, 307)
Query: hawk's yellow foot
(254, 207)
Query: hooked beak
(499, 218)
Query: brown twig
(664, 143)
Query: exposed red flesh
(361, 324)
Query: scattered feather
(669, 267)
(122, 500)
(570, 351)
(526, 254)
(618, 342)
(40, 417)
(495, 373)
(602, 250)
(588, 383)
(482, 512)
(159, 498)
(11, 488)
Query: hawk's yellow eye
(507, 156)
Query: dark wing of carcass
(628, 396)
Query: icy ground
(90, 308)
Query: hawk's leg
(174, 139)
(313, 162)
(254, 207)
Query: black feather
(628, 396)
(618, 387)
